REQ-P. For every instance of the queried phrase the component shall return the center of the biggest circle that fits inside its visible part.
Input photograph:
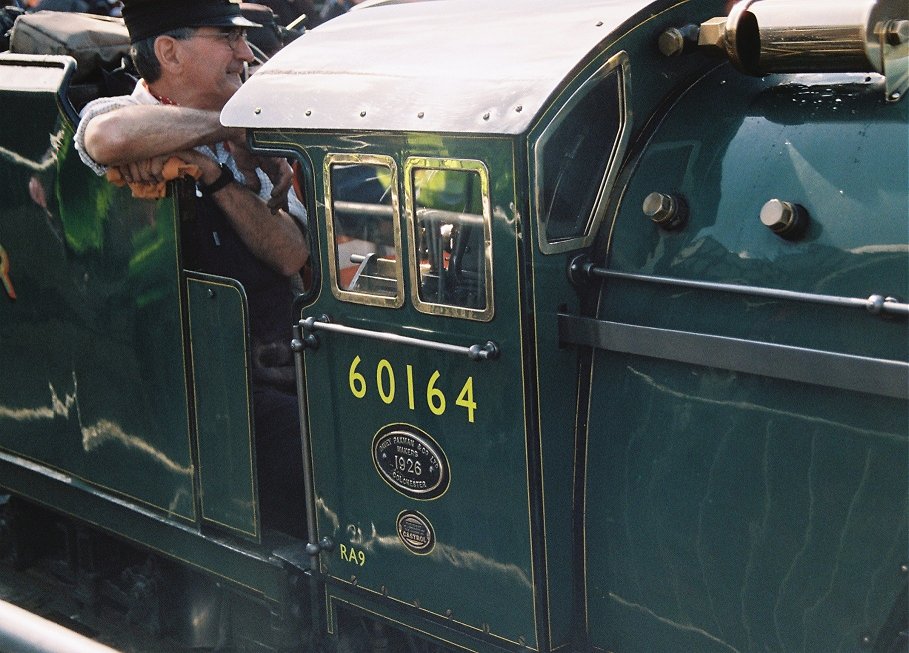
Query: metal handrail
(489, 351)
(874, 304)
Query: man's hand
(209, 169)
(282, 176)
(147, 171)
(278, 170)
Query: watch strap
(223, 179)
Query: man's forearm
(274, 239)
(139, 132)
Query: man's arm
(142, 131)
(138, 139)
(273, 238)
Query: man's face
(212, 71)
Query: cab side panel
(90, 329)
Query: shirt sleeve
(92, 110)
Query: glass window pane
(450, 235)
(363, 227)
(575, 157)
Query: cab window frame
(469, 166)
(617, 65)
(357, 296)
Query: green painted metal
(480, 577)
(245, 569)
(559, 378)
(736, 512)
(223, 406)
(592, 499)
(92, 345)
(95, 410)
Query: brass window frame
(448, 164)
(384, 301)
(618, 64)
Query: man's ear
(167, 50)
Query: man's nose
(243, 51)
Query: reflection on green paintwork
(94, 338)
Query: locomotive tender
(605, 346)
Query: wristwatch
(223, 179)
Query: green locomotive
(605, 347)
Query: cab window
(363, 229)
(576, 157)
(449, 219)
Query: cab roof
(476, 66)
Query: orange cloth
(173, 168)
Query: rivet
(420, 115)
(416, 603)
(485, 116)
(257, 110)
(866, 640)
(362, 114)
(599, 23)
(309, 112)
(448, 613)
(904, 568)
(211, 293)
(486, 628)
(384, 590)
(671, 42)
(353, 579)
(519, 108)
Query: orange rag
(174, 167)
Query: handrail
(489, 351)
(874, 304)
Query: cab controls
(669, 212)
(786, 219)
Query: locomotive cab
(605, 348)
(471, 400)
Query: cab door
(415, 396)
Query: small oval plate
(415, 532)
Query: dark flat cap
(146, 18)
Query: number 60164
(385, 386)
